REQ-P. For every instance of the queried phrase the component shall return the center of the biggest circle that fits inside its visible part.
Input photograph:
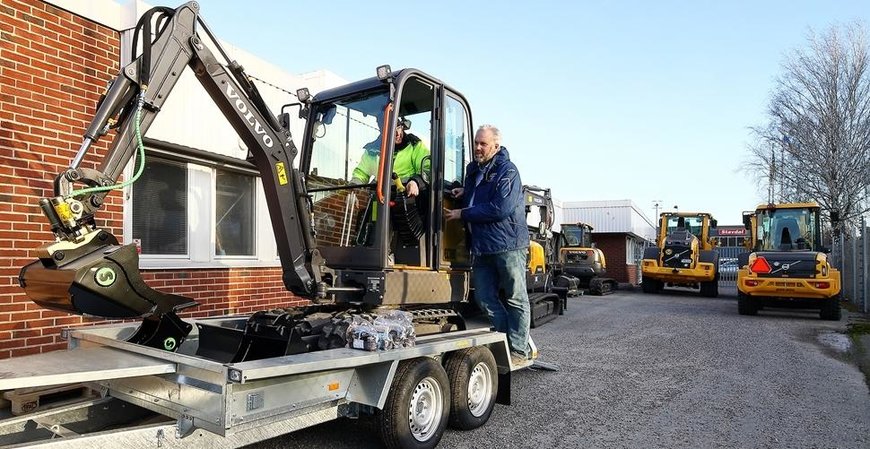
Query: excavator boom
(86, 270)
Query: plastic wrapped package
(390, 330)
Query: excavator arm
(86, 271)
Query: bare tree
(816, 143)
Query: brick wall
(53, 67)
(614, 247)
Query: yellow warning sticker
(282, 173)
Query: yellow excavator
(549, 287)
(580, 259)
(684, 256)
(786, 265)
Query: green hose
(137, 121)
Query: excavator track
(602, 286)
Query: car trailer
(154, 398)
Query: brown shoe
(520, 361)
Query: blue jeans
(507, 272)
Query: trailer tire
(831, 309)
(745, 306)
(473, 387)
(417, 407)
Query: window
(634, 251)
(160, 215)
(190, 212)
(692, 224)
(457, 143)
(235, 214)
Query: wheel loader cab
(364, 220)
(788, 229)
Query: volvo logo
(253, 123)
(783, 266)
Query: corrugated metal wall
(621, 216)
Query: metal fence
(728, 265)
(851, 254)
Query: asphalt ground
(671, 370)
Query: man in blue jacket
(494, 212)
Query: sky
(650, 101)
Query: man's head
(487, 142)
(401, 126)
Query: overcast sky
(598, 100)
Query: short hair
(496, 134)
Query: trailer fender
(371, 383)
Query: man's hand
(452, 214)
(457, 192)
(412, 189)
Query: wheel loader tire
(745, 306)
(473, 387)
(417, 407)
(831, 309)
(710, 289)
(650, 286)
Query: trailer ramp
(91, 364)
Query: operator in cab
(410, 160)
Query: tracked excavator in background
(549, 287)
(579, 258)
(352, 248)
(684, 256)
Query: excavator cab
(364, 144)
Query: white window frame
(201, 201)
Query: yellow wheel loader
(786, 265)
(684, 256)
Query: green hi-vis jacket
(408, 162)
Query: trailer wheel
(473, 386)
(415, 413)
(831, 309)
(745, 306)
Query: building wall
(615, 223)
(610, 216)
(53, 67)
(614, 247)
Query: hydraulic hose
(137, 120)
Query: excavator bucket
(102, 279)
(104, 283)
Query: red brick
(23, 352)
(56, 12)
